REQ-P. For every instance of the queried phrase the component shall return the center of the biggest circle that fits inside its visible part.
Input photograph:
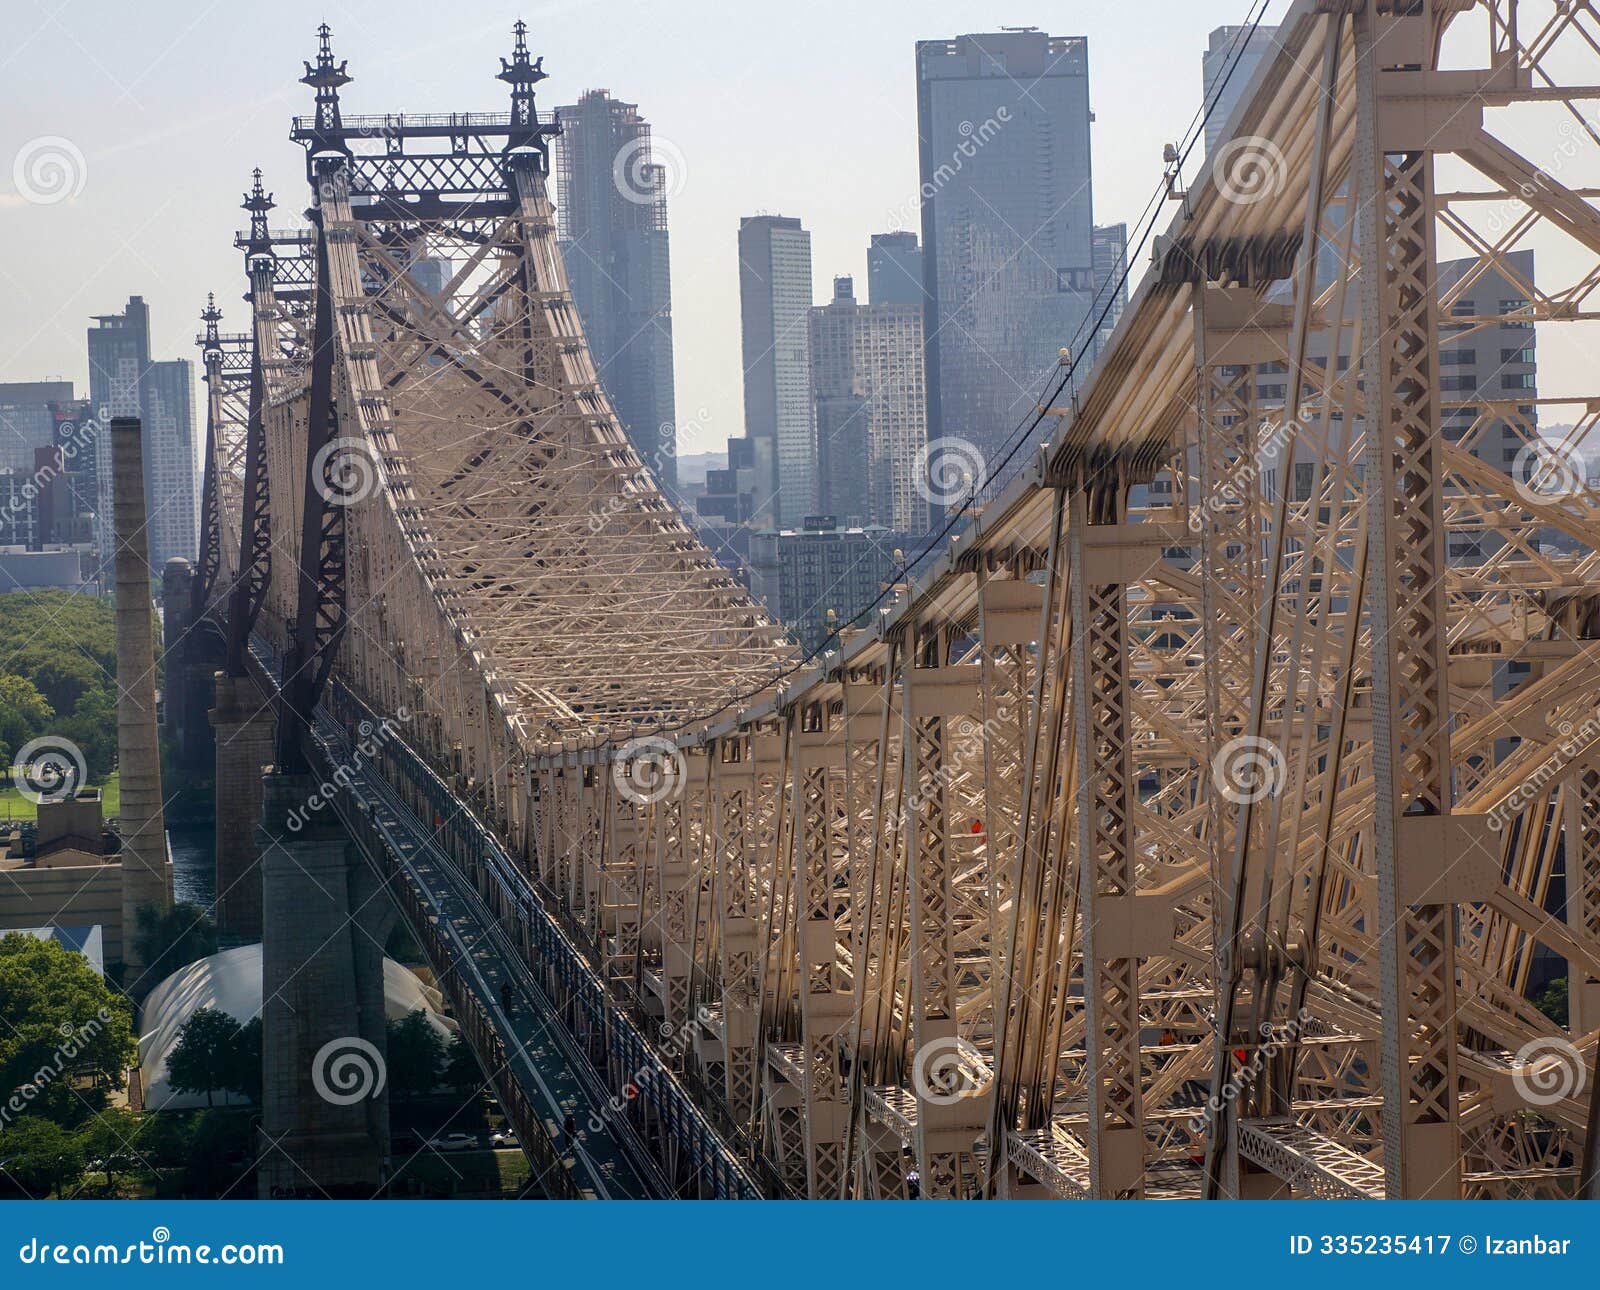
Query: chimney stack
(146, 875)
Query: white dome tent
(230, 982)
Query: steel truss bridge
(1176, 832)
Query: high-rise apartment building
(894, 269)
(1007, 224)
(28, 419)
(774, 304)
(1110, 279)
(611, 208)
(126, 382)
(1229, 65)
(821, 575)
(867, 381)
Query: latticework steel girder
(1183, 829)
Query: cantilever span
(1190, 827)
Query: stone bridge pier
(245, 730)
(188, 656)
(325, 916)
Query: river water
(194, 865)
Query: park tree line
(59, 675)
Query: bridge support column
(245, 731)
(187, 678)
(949, 1121)
(323, 1118)
(1118, 930)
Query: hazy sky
(800, 109)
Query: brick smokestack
(146, 878)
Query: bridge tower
(324, 1114)
(242, 716)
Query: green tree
(93, 727)
(461, 1071)
(244, 1073)
(65, 646)
(67, 1039)
(167, 942)
(40, 1155)
(110, 1141)
(206, 1055)
(1552, 1001)
(24, 714)
(416, 1055)
(221, 1150)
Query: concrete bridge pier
(324, 1116)
(245, 731)
(186, 692)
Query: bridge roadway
(541, 1068)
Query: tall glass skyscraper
(894, 269)
(774, 309)
(611, 206)
(1007, 224)
(126, 382)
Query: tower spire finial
(522, 74)
(258, 203)
(326, 78)
(210, 342)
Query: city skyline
(865, 183)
